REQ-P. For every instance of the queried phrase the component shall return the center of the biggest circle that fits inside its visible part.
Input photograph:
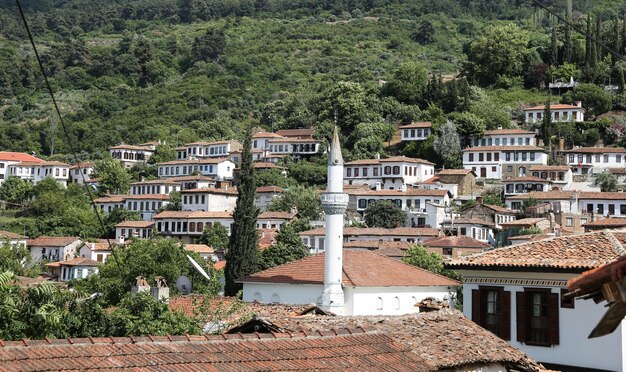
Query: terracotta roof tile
(584, 251)
(499, 209)
(11, 235)
(409, 192)
(211, 190)
(80, 261)
(360, 269)
(525, 179)
(266, 165)
(199, 248)
(597, 150)
(266, 135)
(549, 168)
(378, 245)
(454, 172)
(462, 241)
(471, 221)
(131, 147)
(609, 223)
(191, 178)
(18, 157)
(351, 349)
(446, 338)
(136, 224)
(423, 124)
(507, 131)
(558, 106)
(544, 195)
(269, 189)
(597, 195)
(302, 132)
(269, 215)
(111, 199)
(524, 222)
(377, 231)
(52, 241)
(620, 171)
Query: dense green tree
(16, 258)
(241, 258)
(425, 33)
(594, 99)
(607, 181)
(493, 196)
(15, 190)
(272, 177)
(210, 45)
(564, 72)
(546, 124)
(348, 104)
(408, 83)
(288, 247)
(215, 236)
(419, 256)
(554, 48)
(384, 214)
(468, 126)
(112, 177)
(304, 199)
(162, 153)
(307, 173)
(500, 51)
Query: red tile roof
(52, 241)
(379, 245)
(573, 252)
(79, 261)
(266, 135)
(549, 168)
(131, 147)
(525, 179)
(409, 192)
(266, 165)
(83, 165)
(558, 106)
(377, 231)
(617, 170)
(111, 199)
(597, 195)
(504, 148)
(269, 189)
(499, 209)
(507, 131)
(523, 222)
(18, 157)
(195, 161)
(360, 269)
(302, 132)
(454, 172)
(470, 221)
(136, 224)
(229, 191)
(344, 349)
(11, 235)
(607, 223)
(269, 215)
(597, 150)
(544, 195)
(200, 248)
(423, 124)
(191, 178)
(148, 196)
(462, 241)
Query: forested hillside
(179, 71)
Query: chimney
(579, 104)
(121, 239)
(161, 291)
(499, 127)
(378, 186)
(377, 157)
(141, 285)
(403, 188)
(479, 200)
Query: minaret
(334, 202)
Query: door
(483, 172)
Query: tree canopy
(384, 214)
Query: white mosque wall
(389, 300)
(284, 293)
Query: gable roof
(507, 131)
(352, 349)
(11, 235)
(607, 223)
(558, 106)
(79, 261)
(52, 241)
(421, 124)
(523, 222)
(584, 251)
(377, 231)
(407, 192)
(525, 179)
(454, 172)
(462, 241)
(18, 157)
(597, 150)
(360, 269)
(301, 132)
(269, 189)
(544, 195)
(136, 224)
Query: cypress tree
(588, 43)
(617, 35)
(620, 81)
(598, 35)
(622, 51)
(554, 45)
(241, 258)
(593, 54)
(547, 123)
(567, 48)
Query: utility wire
(65, 132)
(580, 31)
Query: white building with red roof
(203, 149)
(517, 293)
(209, 200)
(217, 168)
(134, 229)
(53, 248)
(506, 137)
(265, 194)
(417, 131)
(81, 172)
(36, 171)
(130, 155)
(76, 268)
(8, 158)
(584, 160)
(560, 113)
(390, 173)
(497, 162)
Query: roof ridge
(615, 243)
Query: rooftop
(148, 196)
(195, 161)
(523, 222)
(340, 349)
(131, 147)
(572, 252)
(193, 214)
(269, 189)
(136, 224)
(597, 150)
(422, 124)
(269, 215)
(360, 269)
(504, 148)
(18, 157)
(607, 223)
(454, 172)
(549, 168)
(525, 179)
(302, 132)
(52, 241)
(462, 241)
(11, 235)
(377, 231)
(212, 190)
(558, 106)
(408, 192)
(507, 131)
(199, 248)
(78, 261)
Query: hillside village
(265, 185)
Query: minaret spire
(334, 202)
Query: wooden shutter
(505, 316)
(520, 307)
(553, 318)
(476, 306)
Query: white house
(584, 160)
(130, 155)
(506, 137)
(296, 147)
(274, 220)
(146, 204)
(76, 268)
(497, 162)
(260, 140)
(81, 172)
(194, 182)
(265, 194)
(8, 158)
(315, 239)
(559, 175)
(560, 113)
(218, 168)
(134, 229)
(13, 239)
(418, 131)
(200, 150)
(373, 284)
(523, 185)
(51, 248)
(475, 228)
(517, 293)
(160, 186)
(560, 201)
(109, 202)
(391, 173)
(37, 171)
(98, 251)
(423, 207)
(209, 200)
(581, 202)
(189, 225)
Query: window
(387, 170)
(356, 172)
(496, 156)
(447, 251)
(509, 168)
(568, 302)
(598, 157)
(569, 221)
(622, 209)
(348, 172)
(364, 172)
(396, 169)
(488, 156)
(471, 157)
(606, 158)
(538, 317)
(491, 308)
(532, 156)
(601, 208)
(379, 303)
(375, 172)
(571, 158)
(589, 208)
(618, 158)
(481, 157)
(362, 203)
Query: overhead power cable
(70, 143)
